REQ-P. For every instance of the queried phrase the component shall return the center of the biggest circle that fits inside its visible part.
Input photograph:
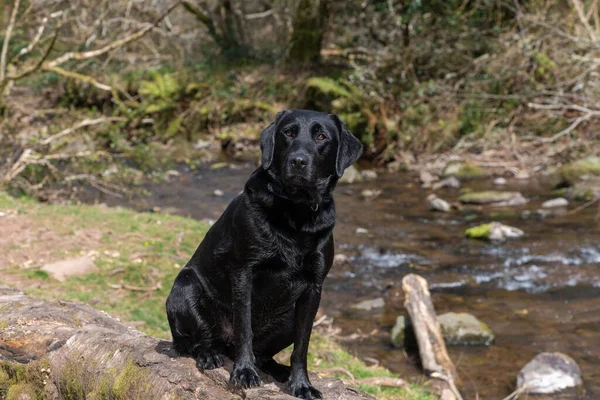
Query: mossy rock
(351, 175)
(572, 172)
(493, 231)
(398, 335)
(585, 191)
(22, 391)
(463, 170)
(464, 329)
(493, 197)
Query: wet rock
(494, 231)
(218, 193)
(450, 182)
(368, 194)
(585, 190)
(549, 373)
(522, 175)
(361, 231)
(368, 174)
(460, 329)
(398, 335)
(351, 175)
(71, 267)
(369, 305)
(437, 204)
(586, 167)
(500, 181)
(341, 259)
(463, 170)
(464, 329)
(544, 213)
(555, 203)
(426, 178)
(493, 197)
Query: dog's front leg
(306, 310)
(244, 372)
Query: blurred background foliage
(409, 77)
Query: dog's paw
(209, 359)
(244, 376)
(304, 390)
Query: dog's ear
(349, 147)
(267, 140)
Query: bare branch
(37, 65)
(114, 45)
(259, 15)
(588, 114)
(581, 13)
(79, 77)
(82, 124)
(7, 36)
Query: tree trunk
(432, 349)
(69, 350)
(308, 29)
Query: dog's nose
(298, 162)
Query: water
(538, 293)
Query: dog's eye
(288, 132)
(320, 137)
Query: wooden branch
(581, 14)
(90, 351)
(40, 62)
(78, 76)
(111, 46)
(82, 124)
(432, 349)
(7, 36)
(38, 36)
(588, 114)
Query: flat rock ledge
(72, 348)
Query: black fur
(254, 284)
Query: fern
(329, 86)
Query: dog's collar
(315, 207)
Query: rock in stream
(549, 373)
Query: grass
(147, 250)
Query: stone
(500, 181)
(586, 167)
(427, 177)
(341, 259)
(437, 204)
(465, 330)
(361, 231)
(218, 193)
(586, 190)
(555, 203)
(493, 197)
(522, 175)
(368, 174)
(463, 170)
(351, 175)
(369, 305)
(368, 194)
(398, 335)
(549, 373)
(494, 231)
(61, 270)
(458, 329)
(450, 182)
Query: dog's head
(303, 149)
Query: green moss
(486, 197)
(570, 173)
(479, 232)
(464, 170)
(132, 383)
(36, 274)
(22, 391)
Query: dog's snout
(299, 162)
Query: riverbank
(124, 262)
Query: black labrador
(254, 284)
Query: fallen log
(70, 350)
(432, 350)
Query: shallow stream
(538, 293)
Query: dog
(253, 286)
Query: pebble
(218, 193)
(500, 181)
(555, 203)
